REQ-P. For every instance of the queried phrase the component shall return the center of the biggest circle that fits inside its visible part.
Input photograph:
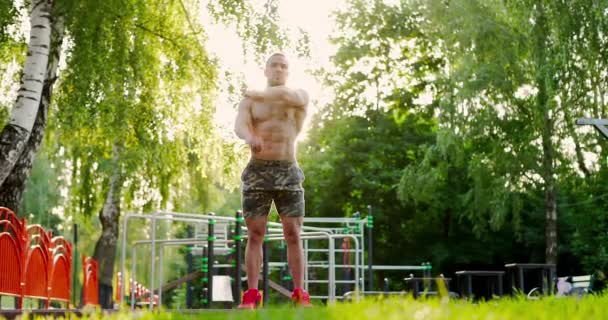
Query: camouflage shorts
(265, 181)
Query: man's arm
(243, 126)
(293, 97)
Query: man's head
(277, 69)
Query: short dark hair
(274, 55)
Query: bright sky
(313, 16)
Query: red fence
(61, 270)
(90, 287)
(136, 291)
(33, 263)
(12, 246)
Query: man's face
(277, 70)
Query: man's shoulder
(245, 102)
(301, 91)
(303, 94)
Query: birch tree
(16, 132)
(11, 193)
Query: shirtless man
(269, 121)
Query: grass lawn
(588, 307)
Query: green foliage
(259, 28)
(12, 57)
(461, 212)
(496, 51)
(356, 161)
(479, 95)
(382, 59)
(379, 123)
(585, 221)
(42, 195)
(376, 124)
(346, 159)
(8, 15)
(136, 98)
(3, 116)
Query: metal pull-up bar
(599, 124)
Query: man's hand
(255, 142)
(255, 95)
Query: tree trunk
(15, 134)
(550, 198)
(548, 172)
(543, 82)
(11, 193)
(105, 249)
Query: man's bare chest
(272, 111)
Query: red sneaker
(250, 300)
(301, 298)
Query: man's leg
(295, 254)
(290, 205)
(256, 206)
(256, 228)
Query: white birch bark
(13, 187)
(16, 133)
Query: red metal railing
(12, 244)
(35, 277)
(90, 288)
(61, 270)
(33, 264)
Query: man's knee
(256, 235)
(291, 232)
(292, 237)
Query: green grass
(589, 307)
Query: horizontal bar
(341, 266)
(332, 220)
(403, 268)
(591, 121)
(218, 250)
(310, 236)
(200, 217)
(327, 281)
(335, 250)
(169, 218)
(191, 217)
(313, 235)
(180, 241)
(271, 264)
